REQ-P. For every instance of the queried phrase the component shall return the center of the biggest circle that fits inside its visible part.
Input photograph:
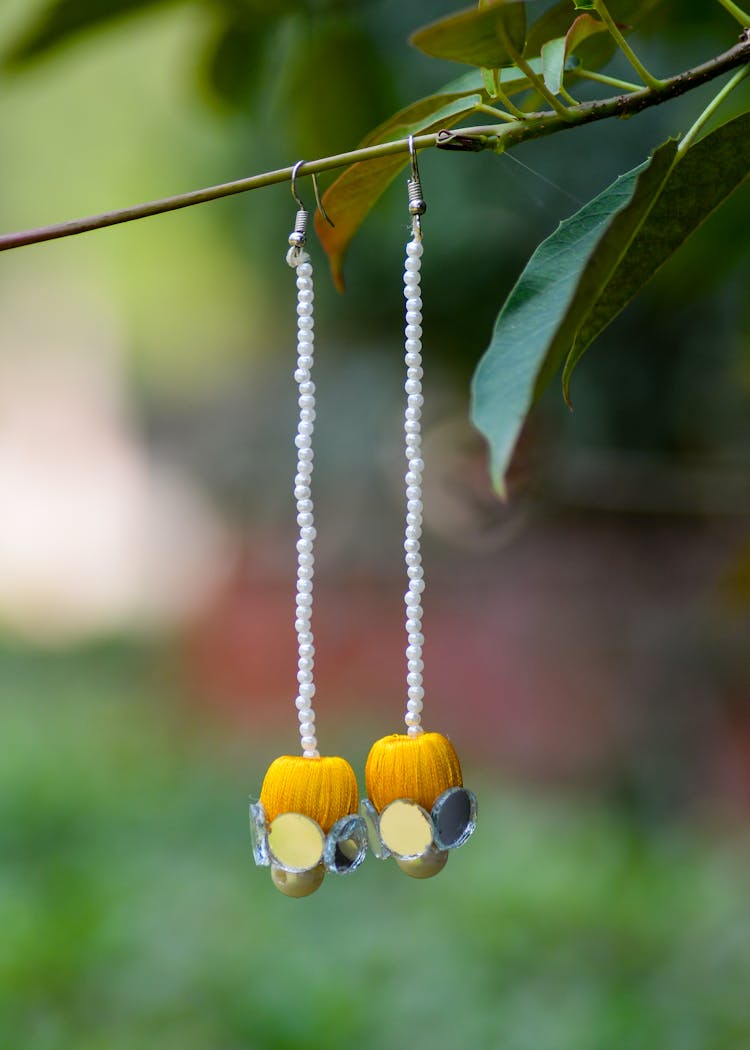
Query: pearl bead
(310, 744)
(304, 546)
(416, 586)
(304, 677)
(307, 650)
(301, 883)
(414, 678)
(308, 689)
(414, 304)
(305, 362)
(308, 387)
(308, 533)
(305, 664)
(304, 601)
(413, 652)
(414, 248)
(305, 324)
(304, 586)
(411, 599)
(415, 665)
(306, 294)
(304, 309)
(305, 637)
(413, 331)
(304, 269)
(413, 557)
(301, 375)
(411, 546)
(306, 454)
(412, 718)
(412, 264)
(416, 638)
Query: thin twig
(490, 137)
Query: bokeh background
(587, 644)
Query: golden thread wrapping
(324, 789)
(420, 768)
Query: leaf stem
(567, 96)
(742, 17)
(603, 78)
(499, 113)
(649, 80)
(534, 79)
(687, 141)
(517, 114)
(494, 137)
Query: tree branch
(495, 137)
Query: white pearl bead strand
(413, 483)
(300, 260)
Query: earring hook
(417, 204)
(316, 190)
(413, 158)
(295, 171)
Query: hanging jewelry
(306, 821)
(417, 808)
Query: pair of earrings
(309, 818)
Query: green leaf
(479, 36)
(352, 195)
(553, 63)
(710, 171)
(555, 53)
(581, 276)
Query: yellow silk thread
(323, 788)
(420, 768)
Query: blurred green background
(587, 645)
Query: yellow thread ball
(324, 789)
(297, 883)
(419, 768)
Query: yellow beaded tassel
(417, 809)
(306, 821)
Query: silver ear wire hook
(295, 172)
(298, 236)
(417, 204)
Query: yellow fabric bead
(419, 768)
(324, 789)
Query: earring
(306, 821)
(417, 809)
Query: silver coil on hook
(417, 203)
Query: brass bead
(297, 883)
(429, 864)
